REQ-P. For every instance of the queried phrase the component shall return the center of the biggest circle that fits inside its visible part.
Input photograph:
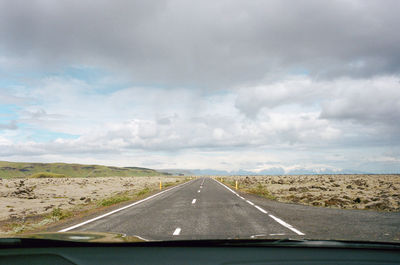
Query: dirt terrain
(24, 197)
(373, 192)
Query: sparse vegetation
(47, 175)
(262, 191)
(114, 200)
(143, 191)
(259, 190)
(167, 184)
(17, 227)
(60, 214)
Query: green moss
(260, 190)
(143, 191)
(60, 214)
(114, 200)
(167, 184)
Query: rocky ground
(23, 197)
(374, 192)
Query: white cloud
(375, 100)
(4, 142)
(366, 101)
(138, 120)
(228, 84)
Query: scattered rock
(318, 187)
(382, 205)
(48, 207)
(23, 192)
(302, 189)
(335, 202)
(360, 182)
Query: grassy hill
(17, 169)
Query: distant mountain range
(271, 171)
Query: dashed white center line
(201, 187)
(202, 182)
(194, 201)
(177, 232)
(198, 191)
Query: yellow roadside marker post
(236, 184)
(160, 185)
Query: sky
(225, 85)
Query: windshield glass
(181, 120)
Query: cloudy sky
(227, 85)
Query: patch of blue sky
(17, 78)
(8, 112)
(98, 79)
(8, 82)
(85, 73)
(43, 135)
(47, 136)
(299, 71)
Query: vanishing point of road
(207, 209)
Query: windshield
(191, 120)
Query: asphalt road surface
(206, 209)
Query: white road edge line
(280, 221)
(286, 225)
(142, 238)
(120, 209)
(249, 202)
(194, 201)
(261, 209)
(177, 232)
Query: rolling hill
(19, 169)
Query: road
(206, 209)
